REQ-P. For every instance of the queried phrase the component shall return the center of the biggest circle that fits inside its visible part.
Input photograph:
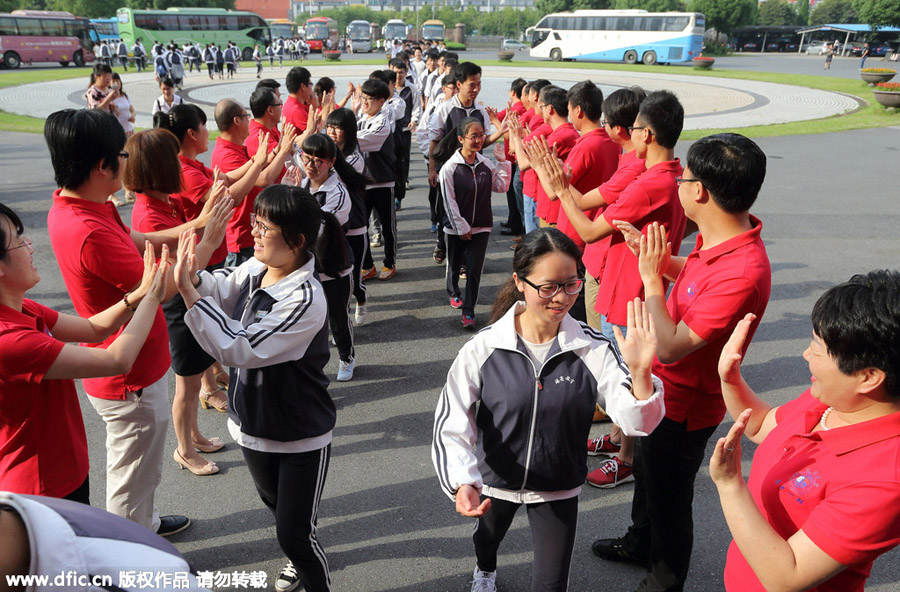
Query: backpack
(176, 59)
(137, 51)
(161, 69)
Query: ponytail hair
(332, 253)
(535, 245)
(180, 119)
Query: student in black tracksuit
(266, 320)
(403, 135)
(467, 179)
(517, 406)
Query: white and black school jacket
(466, 190)
(517, 432)
(209, 56)
(448, 115)
(275, 340)
(68, 537)
(375, 138)
(332, 196)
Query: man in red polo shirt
(513, 225)
(101, 262)
(296, 106)
(725, 278)
(561, 140)
(518, 135)
(229, 155)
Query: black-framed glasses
(123, 154)
(551, 289)
(603, 123)
(261, 228)
(631, 128)
(333, 129)
(680, 180)
(307, 159)
(26, 242)
(480, 136)
(276, 104)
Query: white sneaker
(345, 370)
(484, 581)
(361, 313)
(288, 579)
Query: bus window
(8, 26)
(189, 22)
(29, 27)
(543, 24)
(54, 27)
(228, 23)
(626, 23)
(209, 23)
(168, 22)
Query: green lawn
(868, 116)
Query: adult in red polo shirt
(824, 489)
(518, 137)
(562, 139)
(514, 225)
(101, 263)
(725, 278)
(296, 107)
(230, 155)
(41, 414)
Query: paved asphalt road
(829, 210)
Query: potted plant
(873, 76)
(505, 55)
(888, 94)
(703, 63)
(332, 54)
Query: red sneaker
(456, 302)
(612, 472)
(602, 445)
(368, 274)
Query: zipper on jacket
(538, 387)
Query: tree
(803, 12)
(776, 13)
(548, 6)
(878, 13)
(833, 12)
(727, 15)
(651, 5)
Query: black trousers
(337, 295)
(402, 144)
(291, 485)
(665, 466)
(432, 204)
(359, 246)
(82, 493)
(441, 214)
(514, 220)
(471, 254)
(381, 199)
(553, 527)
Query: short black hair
(859, 323)
(662, 112)
(451, 63)
(432, 54)
(451, 55)
(621, 107)
(448, 79)
(517, 85)
(375, 88)
(465, 70)
(323, 86)
(16, 223)
(385, 76)
(295, 77)
(268, 83)
(261, 100)
(731, 167)
(398, 63)
(588, 97)
(167, 82)
(556, 98)
(294, 211)
(102, 69)
(536, 85)
(78, 140)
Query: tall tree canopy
(833, 11)
(878, 13)
(776, 12)
(727, 15)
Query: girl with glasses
(518, 403)
(466, 180)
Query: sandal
(206, 403)
(216, 444)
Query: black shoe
(169, 525)
(510, 231)
(439, 255)
(504, 225)
(616, 550)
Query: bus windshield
(316, 31)
(360, 31)
(395, 31)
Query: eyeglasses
(631, 129)
(366, 98)
(316, 162)
(26, 242)
(603, 123)
(333, 129)
(276, 105)
(123, 154)
(551, 289)
(480, 136)
(680, 180)
(261, 228)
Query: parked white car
(816, 47)
(512, 45)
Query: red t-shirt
(100, 264)
(43, 447)
(196, 179)
(652, 197)
(296, 113)
(229, 156)
(564, 137)
(630, 168)
(530, 181)
(716, 288)
(840, 486)
(593, 160)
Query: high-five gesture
(654, 252)
(638, 345)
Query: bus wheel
(63, 63)
(556, 55)
(630, 57)
(247, 54)
(11, 60)
(649, 58)
(78, 58)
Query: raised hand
(631, 234)
(215, 226)
(655, 252)
(288, 133)
(732, 354)
(160, 277)
(638, 346)
(557, 179)
(468, 502)
(186, 262)
(262, 149)
(499, 154)
(725, 464)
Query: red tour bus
(318, 30)
(45, 36)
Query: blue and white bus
(107, 28)
(618, 35)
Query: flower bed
(888, 94)
(703, 63)
(505, 56)
(873, 76)
(332, 54)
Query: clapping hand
(638, 345)
(558, 180)
(214, 232)
(159, 278)
(186, 266)
(654, 253)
